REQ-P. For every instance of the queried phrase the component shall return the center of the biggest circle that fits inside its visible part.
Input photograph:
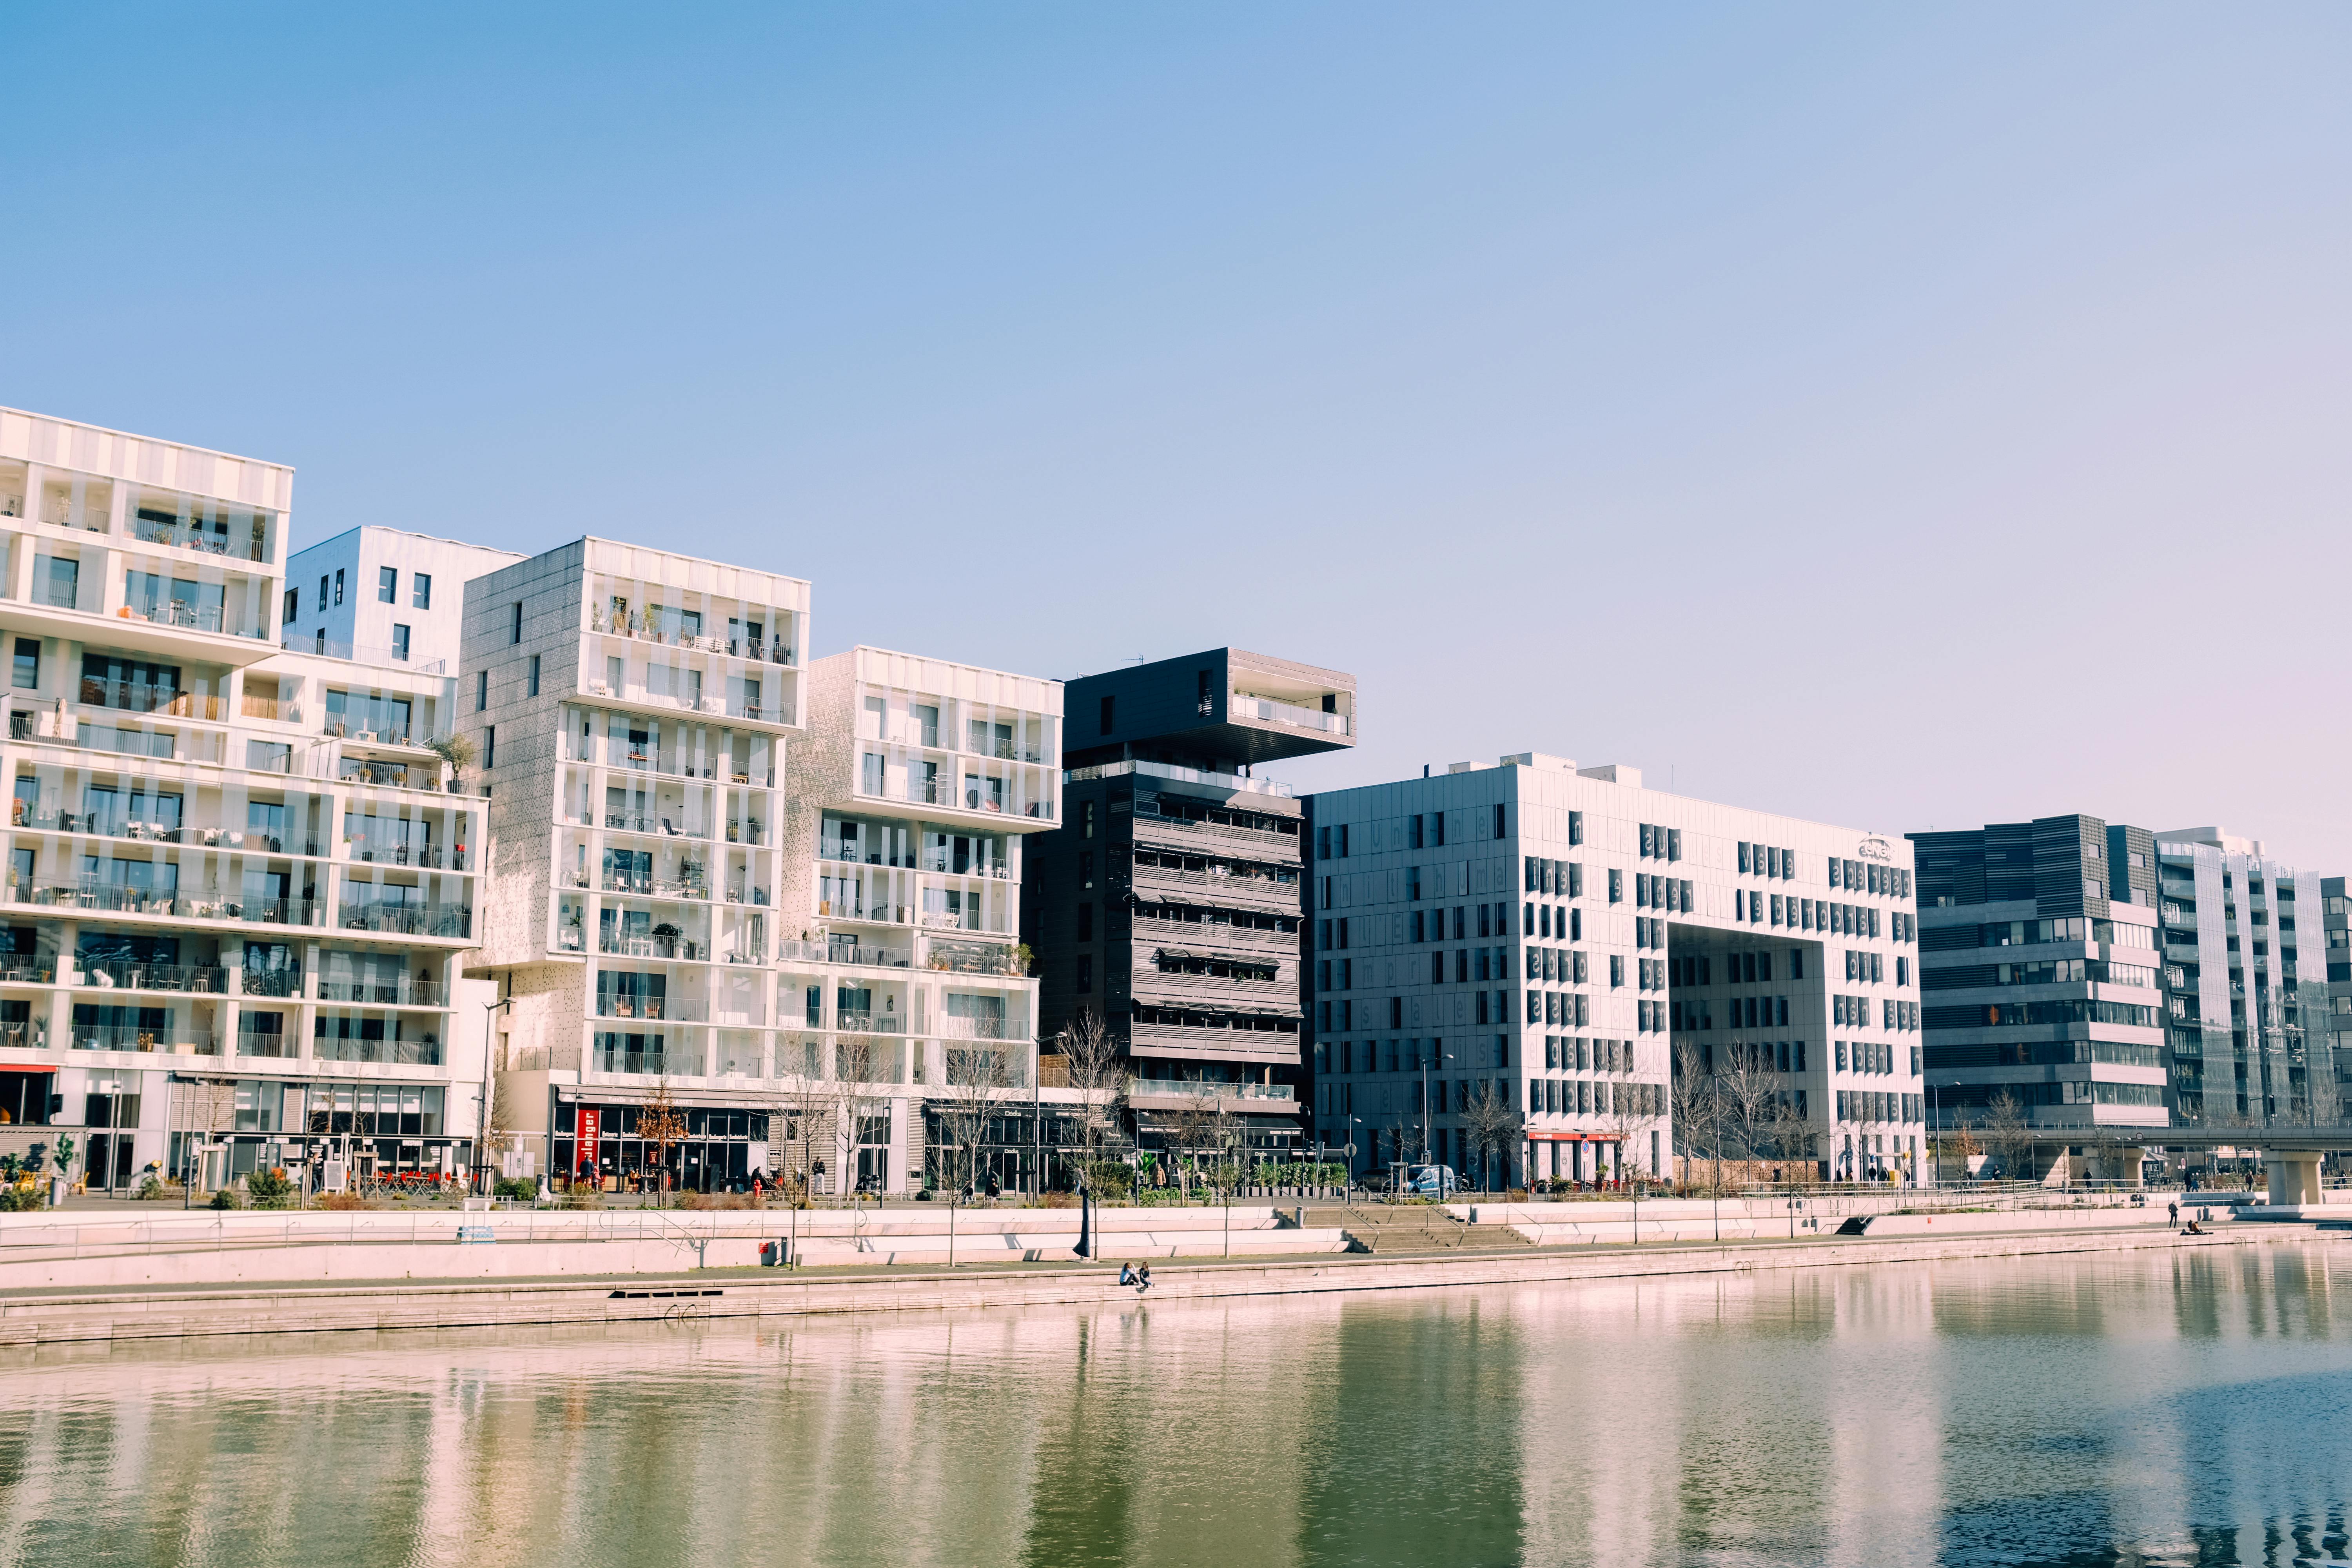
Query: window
(28, 673)
(339, 586)
(1109, 714)
(514, 632)
(1412, 831)
(291, 610)
(481, 690)
(1499, 829)
(534, 675)
(1085, 860)
(1616, 886)
(1086, 922)
(489, 747)
(1085, 819)
(1616, 969)
(420, 590)
(1343, 841)
(1085, 972)
(387, 586)
(322, 593)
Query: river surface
(2133, 1407)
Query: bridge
(2291, 1154)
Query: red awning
(28, 1066)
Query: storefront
(717, 1147)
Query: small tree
(1630, 1116)
(455, 750)
(1097, 1068)
(2006, 1130)
(660, 1125)
(1691, 1098)
(1492, 1121)
(974, 1095)
(1961, 1143)
(856, 1063)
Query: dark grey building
(2039, 974)
(1168, 901)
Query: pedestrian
(1143, 1279)
(2172, 1213)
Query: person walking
(2172, 1213)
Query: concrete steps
(1412, 1228)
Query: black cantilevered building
(1170, 900)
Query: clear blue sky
(1902, 414)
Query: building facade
(2091, 976)
(260, 846)
(2040, 961)
(780, 897)
(2338, 925)
(1169, 903)
(1523, 969)
(384, 595)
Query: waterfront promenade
(657, 1266)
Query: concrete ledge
(57, 1317)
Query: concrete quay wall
(67, 1316)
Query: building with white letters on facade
(1530, 967)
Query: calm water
(2159, 1408)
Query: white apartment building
(1564, 943)
(630, 710)
(675, 913)
(922, 780)
(258, 845)
(384, 595)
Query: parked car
(1429, 1180)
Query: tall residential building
(1546, 949)
(629, 709)
(1169, 903)
(2246, 987)
(685, 905)
(921, 781)
(2100, 976)
(2338, 919)
(237, 886)
(383, 595)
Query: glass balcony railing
(132, 698)
(1243, 705)
(402, 992)
(111, 974)
(1198, 1088)
(870, 1023)
(132, 1038)
(435, 920)
(217, 537)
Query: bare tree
(1745, 1095)
(800, 1115)
(1491, 1120)
(1690, 1100)
(1630, 1114)
(1097, 1069)
(1196, 1131)
(499, 1136)
(1960, 1144)
(856, 1062)
(974, 1094)
(2008, 1132)
(660, 1125)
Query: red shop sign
(587, 1146)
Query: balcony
(425, 1052)
(250, 706)
(635, 627)
(646, 1064)
(130, 1037)
(208, 539)
(665, 947)
(281, 983)
(400, 992)
(107, 974)
(870, 1023)
(652, 1009)
(1187, 775)
(953, 1027)
(138, 901)
(655, 887)
(430, 920)
(1208, 1090)
(360, 653)
(845, 952)
(974, 958)
(179, 614)
(1243, 705)
(391, 852)
(130, 697)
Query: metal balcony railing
(107, 974)
(131, 1038)
(436, 919)
(402, 992)
(209, 539)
